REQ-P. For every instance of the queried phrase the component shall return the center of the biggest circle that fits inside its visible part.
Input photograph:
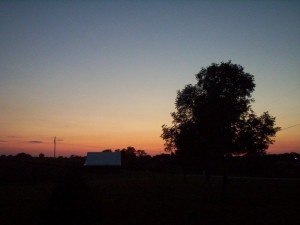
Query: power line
(290, 126)
(83, 145)
(90, 146)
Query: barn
(103, 160)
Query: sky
(104, 74)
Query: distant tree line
(24, 167)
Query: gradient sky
(104, 74)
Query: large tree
(214, 118)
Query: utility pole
(54, 142)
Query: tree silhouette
(214, 119)
(141, 153)
(23, 156)
(254, 134)
(107, 150)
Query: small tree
(23, 156)
(140, 153)
(107, 150)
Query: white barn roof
(103, 159)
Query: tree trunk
(225, 175)
(184, 167)
(208, 173)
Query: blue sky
(104, 71)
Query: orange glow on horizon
(78, 146)
(74, 142)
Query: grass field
(149, 198)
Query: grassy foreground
(148, 198)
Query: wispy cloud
(35, 142)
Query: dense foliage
(214, 119)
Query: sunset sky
(104, 74)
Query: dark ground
(70, 195)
